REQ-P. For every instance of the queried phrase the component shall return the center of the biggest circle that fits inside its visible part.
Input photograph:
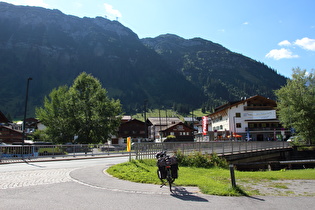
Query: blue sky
(279, 33)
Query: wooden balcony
(266, 129)
(259, 108)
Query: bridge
(222, 148)
(231, 150)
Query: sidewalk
(60, 158)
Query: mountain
(221, 74)
(54, 48)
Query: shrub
(199, 160)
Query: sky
(278, 33)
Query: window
(238, 125)
(180, 127)
(237, 114)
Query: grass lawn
(213, 181)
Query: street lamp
(26, 98)
(145, 120)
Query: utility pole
(160, 125)
(145, 119)
(25, 108)
(24, 119)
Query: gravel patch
(280, 187)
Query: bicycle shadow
(183, 194)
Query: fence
(148, 150)
(18, 153)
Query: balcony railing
(259, 108)
(264, 129)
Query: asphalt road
(82, 184)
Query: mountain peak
(168, 70)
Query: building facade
(134, 128)
(253, 118)
(180, 131)
(156, 124)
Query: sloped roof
(164, 120)
(9, 128)
(3, 118)
(235, 103)
(173, 125)
(190, 119)
(133, 121)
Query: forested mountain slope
(167, 71)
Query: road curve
(84, 185)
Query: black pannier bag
(174, 170)
(161, 163)
(162, 172)
(172, 161)
(174, 167)
(164, 161)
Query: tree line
(83, 113)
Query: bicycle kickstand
(163, 184)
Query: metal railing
(148, 150)
(19, 153)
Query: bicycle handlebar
(161, 154)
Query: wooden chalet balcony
(259, 108)
(264, 129)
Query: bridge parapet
(148, 150)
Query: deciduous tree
(296, 104)
(83, 110)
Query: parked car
(47, 148)
(76, 148)
(296, 140)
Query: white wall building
(253, 118)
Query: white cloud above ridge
(285, 53)
(284, 43)
(282, 53)
(111, 12)
(306, 43)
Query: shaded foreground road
(82, 184)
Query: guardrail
(277, 165)
(19, 153)
(148, 150)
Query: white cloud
(284, 43)
(113, 13)
(246, 23)
(280, 54)
(306, 43)
(39, 3)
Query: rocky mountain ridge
(168, 70)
